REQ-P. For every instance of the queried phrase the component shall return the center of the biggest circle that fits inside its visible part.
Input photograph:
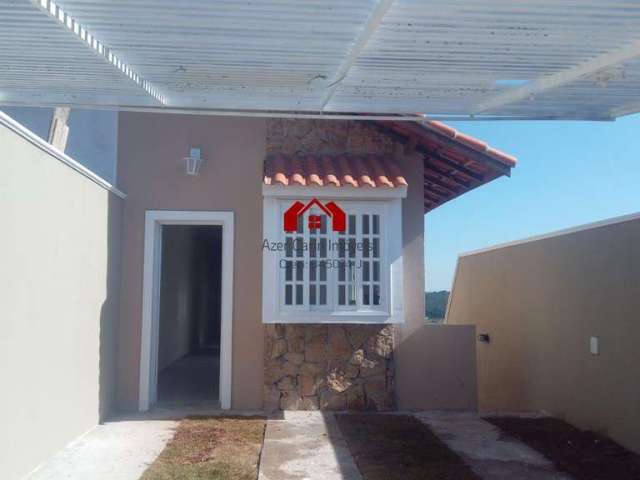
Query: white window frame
(388, 202)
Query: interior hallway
(189, 340)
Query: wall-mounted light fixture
(193, 162)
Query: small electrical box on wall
(484, 338)
(593, 346)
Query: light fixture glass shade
(193, 162)
(193, 165)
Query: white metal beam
(412, 117)
(590, 67)
(69, 23)
(371, 25)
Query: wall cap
(556, 233)
(24, 132)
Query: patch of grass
(390, 447)
(582, 454)
(211, 448)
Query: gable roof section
(454, 163)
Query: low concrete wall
(541, 301)
(60, 234)
(438, 369)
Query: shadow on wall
(109, 310)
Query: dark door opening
(190, 301)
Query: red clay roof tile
(472, 142)
(356, 171)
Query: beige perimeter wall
(58, 252)
(541, 301)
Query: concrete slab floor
(485, 449)
(305, 446)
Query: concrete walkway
(118, 450)
(483, 447)
(306, 446)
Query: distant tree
(436, 305)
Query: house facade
(323, 319)
(155, 289)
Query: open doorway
(190, 314)
(196, 268)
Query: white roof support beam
(72, 26)
(59, 130)
(585, 69)
(370, 27)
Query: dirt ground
(582, 454)
(390, 447)
(212, 448)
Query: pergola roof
(577, 59)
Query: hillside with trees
(436, 305)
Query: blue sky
(568, 173)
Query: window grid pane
(294, 271)
(316, 222)
(289, 270)
(347, 264)
(370, 284)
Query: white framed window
(314, 274)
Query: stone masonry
(328, 367)
(322, 137)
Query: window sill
(335, 318)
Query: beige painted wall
(149, 151)
(58, 253)
(541, 301)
